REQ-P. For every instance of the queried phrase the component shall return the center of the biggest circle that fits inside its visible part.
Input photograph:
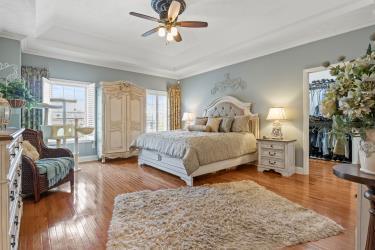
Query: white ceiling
(103, 33)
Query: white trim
(88, 158)
(69, 82)
(306, 115)
(234, 54)
(13, 36)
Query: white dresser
(278, 155)
(121, 118)
(10, 188)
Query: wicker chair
(34, 183)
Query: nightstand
(278, 155)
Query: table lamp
(187, 118)
(276, 115)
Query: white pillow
(30, 151)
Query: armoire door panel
(115, 125)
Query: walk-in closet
(323, 144)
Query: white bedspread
(197, 148)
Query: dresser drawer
(272, 145)
(272, 162)
(271, 153)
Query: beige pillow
(200, 128)
(201, 121)
(226, 124)
(30, 151)
(214, 123)
(241, 124)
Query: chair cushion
(30, 151)
(55, 168)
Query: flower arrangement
(350, 101)
(17, 90)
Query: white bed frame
(176, 167)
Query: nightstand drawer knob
(272, 153)
(272, 162)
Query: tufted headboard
(231, 106)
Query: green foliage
(350, 101)
(17, 89)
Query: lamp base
(277, 131)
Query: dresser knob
(11, 196)
(272, 163)
(15, 184)
(16, 220)
(13, 244)
(272, 154)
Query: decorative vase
(17, 103)
(367, 153)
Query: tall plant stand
(352, 173)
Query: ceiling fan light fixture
(174, 31)
(170, 37)
(162, 32)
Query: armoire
(121, 117)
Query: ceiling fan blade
(192, 24)
(150, 32)
(146, 17)
(178, 37)
(174, 10)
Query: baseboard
(88, 158)
(301, 170)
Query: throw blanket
(197, 148)
(55, 168)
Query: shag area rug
(237, 215)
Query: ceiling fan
(169, 11)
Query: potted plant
(17, 94)
(350, 102)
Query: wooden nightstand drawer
(272, 162)
(273, 153)
(272, 145)
(277, 155)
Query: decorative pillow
(201, 121)
(199, 128)
(241, 124)
(226, 124)
(214, 123)
(30, 151)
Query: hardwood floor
(80, 221)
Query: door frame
(306, 116)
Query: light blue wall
(67, 70)
(275, 80)
(10, 52)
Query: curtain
(174, 106)
(34, 81)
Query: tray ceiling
(103, 33)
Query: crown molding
(84, 58)
(200, 67)
(13, 36)
(240, 52)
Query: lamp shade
(276, 114)
(187, 117)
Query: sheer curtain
(174, 106)
(34, 81)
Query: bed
(190, 154)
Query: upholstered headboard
(231, 106)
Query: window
(84, 107)
(157, 111)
